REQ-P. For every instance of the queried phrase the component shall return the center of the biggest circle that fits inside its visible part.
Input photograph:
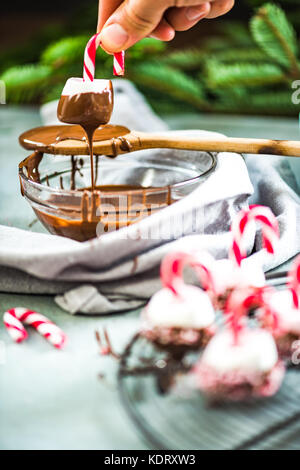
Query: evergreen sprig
(247, 74)
(63, 52)
(188, 59)
(174, 82)
(271, 102)
(242, 54)
(239, 69)
(26, 83)
(275, 35)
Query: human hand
(123, 23)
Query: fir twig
(243, 74)
(26, 83)
(275, 35)
(264, 102)
(170, 81)
(189, 59)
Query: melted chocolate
(83, 218)
(46, 137)
(89, 110)
(86, 219)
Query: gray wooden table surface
(54, 399)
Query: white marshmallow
(192, 309)
(75, 86)
(255, 352)
(289, 316)
(227, 275)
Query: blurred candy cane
(14, 326)
(13, 322)
(238, 304)
(270, 230)
(172, 266)
(89, 60)
(294, 282)
(241, 301)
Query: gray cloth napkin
(119, 270)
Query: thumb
(132, 21)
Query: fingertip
(197, 13)
(113, 38)
(220, 7)
(163, 32)
(169, 35)
(182, 19)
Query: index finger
(105, 10)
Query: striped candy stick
(238, 305)
(268, 313)
(89, 60)
(119, 63)
(294, 282)
(171, 270)
(14, 326)
(270, 230)
(172, 266)
(14, 318)
(203, 262)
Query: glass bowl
(128, 188)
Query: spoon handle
(218, 144)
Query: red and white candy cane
(238, 304)
(294, 282)
(14, 318)
(171, 270)
(241, 301)
(14, 326)
(90, 60)
(119, 63)
(270, 230)
(268, 314)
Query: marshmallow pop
(234, 272)
(284, 304)
(179, 317)
(240, 362)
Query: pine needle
(173, 82)
(275, 35)
(242, 74)
(242, 54)
(68, 51)
(26, 83)
(188, 59)
(264, 102)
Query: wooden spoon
(116, 140)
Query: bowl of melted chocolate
(78, 192)
(80, 197)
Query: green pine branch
(242, 74)
(145, 49)
(188, 59)
(276, 36)
(26, 83)
(265, 102)
(237, 33)
(242, 54)
(65, 51)
(256, 3)
(173, 82)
